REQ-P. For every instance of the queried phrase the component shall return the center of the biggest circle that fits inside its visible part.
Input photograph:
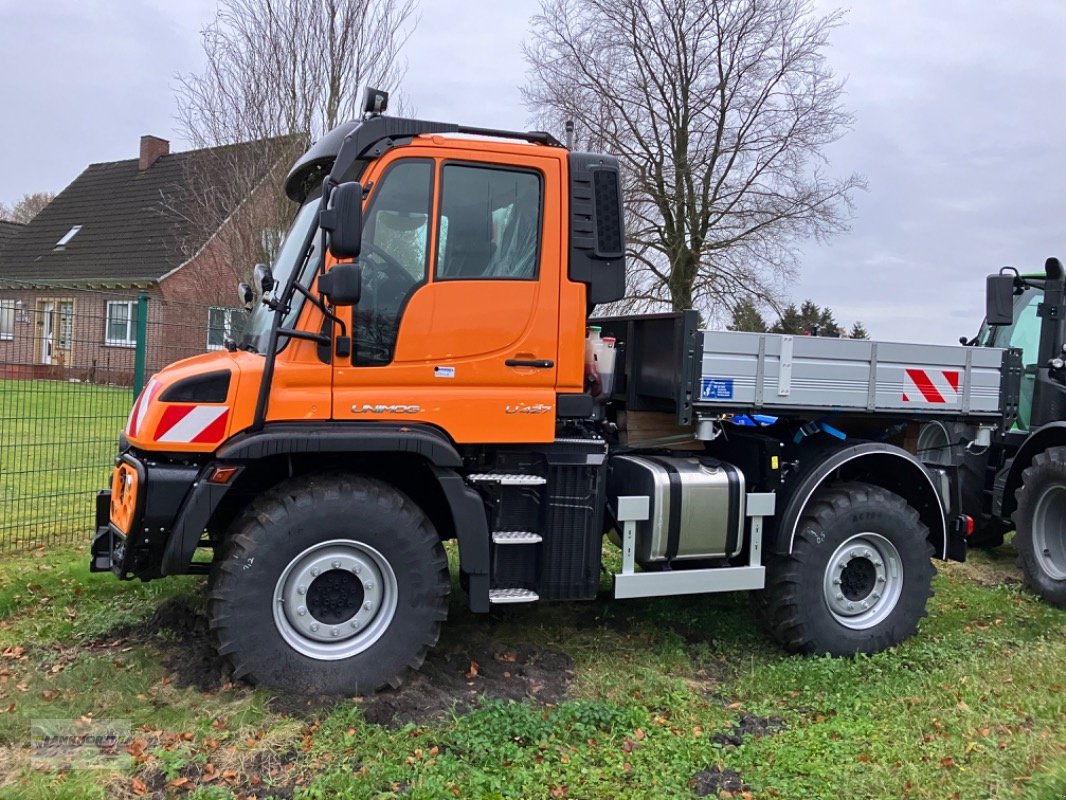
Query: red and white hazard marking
(939, 386)
(192, 424)
(140, 408)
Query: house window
(121, 323)
(223, 324)
(66, 323)
(7, 319)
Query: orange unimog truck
(420, 366)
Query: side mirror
(342, 220)
(263, 277)
(342, 285)
(999, 299)
(245, 295)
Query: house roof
(135, 225)
(8, 231)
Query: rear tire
(331, 585)
(1040, 521)
(858, 578)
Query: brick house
(167, 232)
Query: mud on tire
(333, 585)
(858, 578)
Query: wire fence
(71, 363)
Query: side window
(489, 224)
(394, 257)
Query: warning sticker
(716, 389)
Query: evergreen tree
(747, 317)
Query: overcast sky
(959, 128)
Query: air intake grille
(610, 238)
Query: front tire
(858, 578)
(1040, 521)
(333, 585)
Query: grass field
(57, 444)
(643, 699)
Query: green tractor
(1017, 480)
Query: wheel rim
(1049, 539)
(335, 599)
(863, 581)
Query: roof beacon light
(375, 102)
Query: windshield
(257, 332)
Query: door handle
(536, 363)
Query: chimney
(152, 149)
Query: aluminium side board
(787, 374)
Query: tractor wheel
(1040, 521)
(332, 585)
(938, 444)
(858, 577)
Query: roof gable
(135, 226)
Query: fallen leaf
(947, 762)
(628, 746)
(138, 787)
(639, 734)
(560, 791)
(473, 670)
(178, 782)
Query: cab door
(458, 323)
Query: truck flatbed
(671, 365)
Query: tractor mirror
(999, 299)
(342, 285)
(342, 220)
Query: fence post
(142, 344)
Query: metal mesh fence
(71, 364)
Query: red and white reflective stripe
(186, 424)
(931, 386)
(140, 408)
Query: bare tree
(26, 208)
(279, 67)
(719, 111)
(285, 71)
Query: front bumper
(108, 544)
(161, 491)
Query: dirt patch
(710, 782)
(454, 680)
(748, 725)
(990, 568)
(178, 632)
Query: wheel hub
(335, 599)
(863, 581)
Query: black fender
(342, 437)
(1051, 435)
(472, 532)
(883, 465)
(419, 440)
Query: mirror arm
(317, 303)
(292, 333)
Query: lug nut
(357, 569)
(355, 623)
(314, 572)
(368, 606)
(301, 590)
(335, 632)
(335, 564)
(302, 611)
(314, 626)
(368, 585)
